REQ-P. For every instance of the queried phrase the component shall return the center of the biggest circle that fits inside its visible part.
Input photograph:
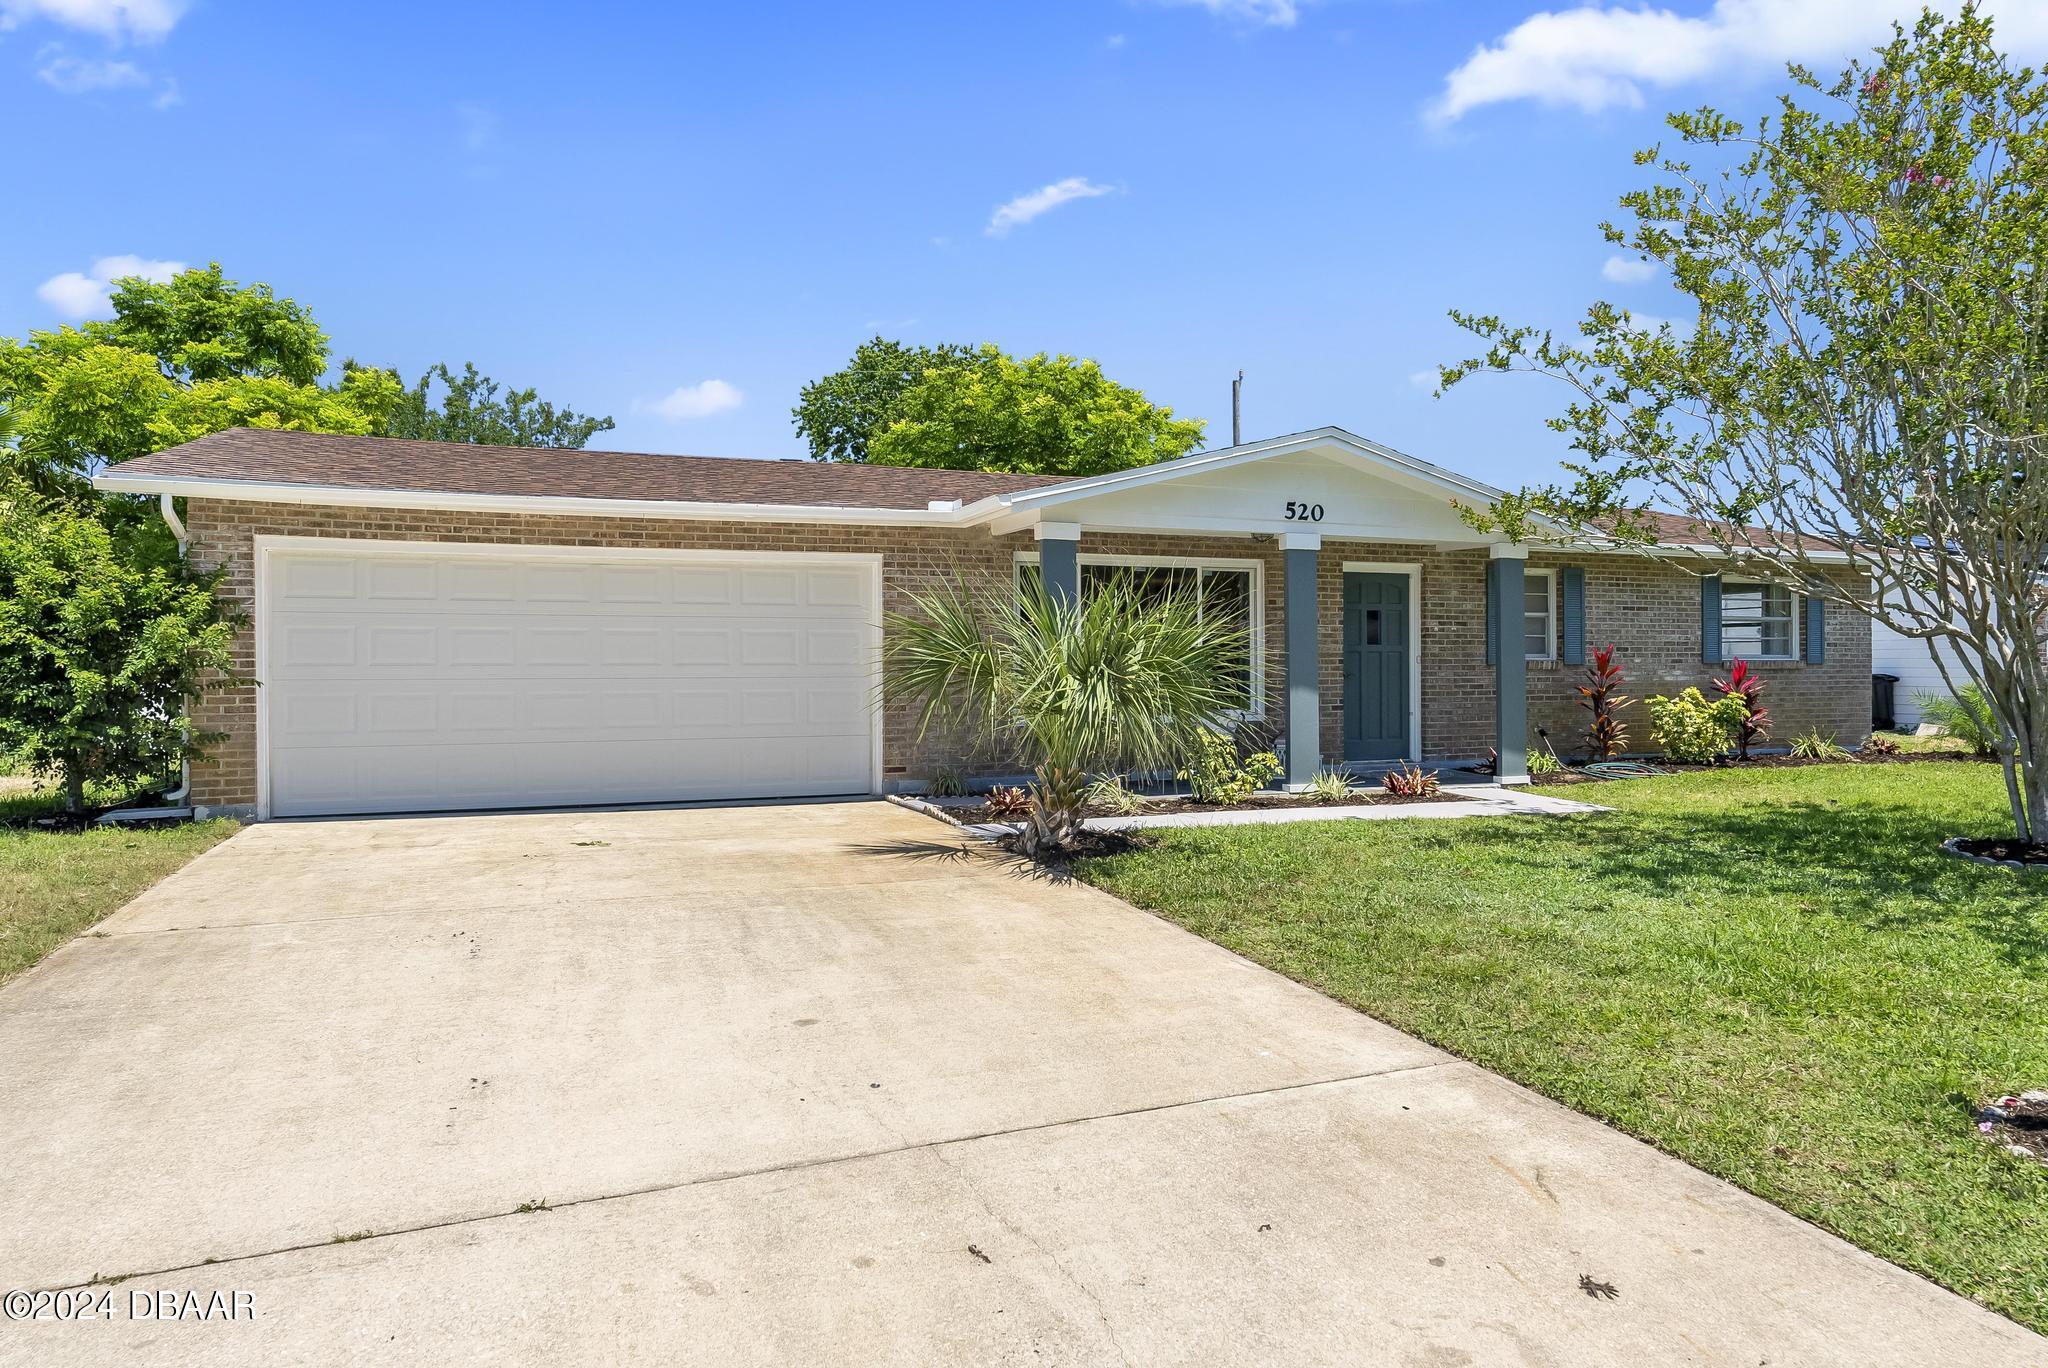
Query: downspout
(169, 507)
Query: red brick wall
(1652, 611)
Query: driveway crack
(936, 1146)
(1074, 1280)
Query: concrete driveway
(813, 1084)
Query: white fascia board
(114, 482)
(1703, 550)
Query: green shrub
(1331, 786)
(1967, 717)
(1818, 745)
(100, 653)
(1543, 762)
(1215, 774)
(1692, 731)
(1110, 792)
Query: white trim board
(266, 546)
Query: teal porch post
(1510, 663)
(1300, 550)
(1059, 560)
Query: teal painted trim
(1059, 563)
(1492, 618)
(1510, 669)
(1710, 620)
(1573, 580)
(1304, 681)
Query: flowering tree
(1857, 409)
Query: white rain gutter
(174, 800)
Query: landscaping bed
(978, 814)
(1778, 762)
(1770, 971)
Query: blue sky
(679, 214)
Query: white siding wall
(1908, 658)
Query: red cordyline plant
(1747, 685)
(1601, 695)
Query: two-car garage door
(403, 679)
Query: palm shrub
(1119, 681)
(1966, 717)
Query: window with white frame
(1226, 587)
(1757, 621)
(1539, 614)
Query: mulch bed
(2003, 849)
(1088, 845)
(1573, 776)
(981, 813)
(2018, 1125)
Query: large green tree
(179, 359)
(839, 414)
(100, 652)
(1864, 382)
(1042, 415)
(446, 407)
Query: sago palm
(1123, 680)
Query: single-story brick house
(439, 626)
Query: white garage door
(411, 680)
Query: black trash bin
(1883, 702)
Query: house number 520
(1304, 512)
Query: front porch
(1378, 613)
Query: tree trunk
(2027, 782)
(74, 788)
(1058, 802)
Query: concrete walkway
(823, 1084)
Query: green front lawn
(55, 884)
(1773, 974)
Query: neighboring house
(441, 627)
(1909, 659)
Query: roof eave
(546, 505)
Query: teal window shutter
(1710, 619)
(1573, 580)
(1492, 618)
(1816, 631)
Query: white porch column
(1510, 663)
(1300, 550)
(1059, 560)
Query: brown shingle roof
(269, 457)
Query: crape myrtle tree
(1865, 389)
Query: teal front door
(1376, 701)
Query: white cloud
(1627, 270)
(1425, 379)
(82, 76)
(145, 21)
(1598, 56)
(1025, 208)
(83, 294)
(697, 401)
(1278, 13)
